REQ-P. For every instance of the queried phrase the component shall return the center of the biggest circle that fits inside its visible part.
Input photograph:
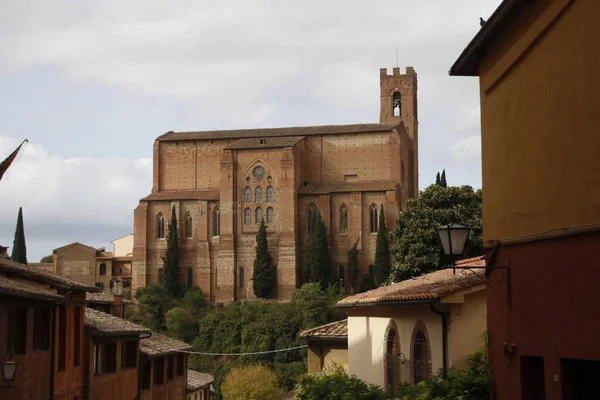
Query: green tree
(195, 301)
(253, 382)
(171, 259)
(181, 324)
(318, 267)
(437, 180)
(153, 304)
(443, 179)
(47, 259)
(263, 277)
(353, 265)
(336, 384)
(19, 250)
(311, 304)
(382, 252)
(416, 250)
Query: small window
(247, 216)
(145, 375)
(102, 269)
(373, 219)
(159, 371)
(160, 226)
(62, 337)
(16, 330)
(216, 222)
(161, 276)
(180, 364)
(170, 367)
(77, 327)
(129, 354)
(100, 285)
(258, 215)
(41, 329)
(397, 104)
(189, 233)
(270, 215)
(343, 220)
(247, 194)
(105, 358)
(241, 277)
(258, 194)
(270, 194)
(341, 274)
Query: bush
(253, 382)
(336, 384)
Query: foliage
(171, 259)
(336, 384)
(443, 179)
(353, 265)
(153, 304)
(416, 250)
(19, 250)
(318, 267)
(382, 252)
(253, 382)
(181, 324)
(263, 277)
(368, 282)
(127, 293)
(310, 302)
(438, 180)
(195, 301)
(47, 259)
(469, 384)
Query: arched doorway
(392, 357)
(420, 354)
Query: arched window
(270, 194)
(372, 270)
(421, 354)
(270, 215)
(311, 212)
(160, 226)
(258, 194)
(247, 216)
(343, 220)
(241, 277)
(216, 217)
(373, 219)
(341, 274)
(393, 357)
(258, 216)
(102, 269)
(247, 195)
(397, 104)
(188, 226)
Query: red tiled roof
(337, 187)
(333, 330)
(430, 286)
(265, 143)
(274, 132)
(207, 194)
(21, 289)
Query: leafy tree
(438, 180)
(353, 265)
(19, 250)
(181, 324)
(263, 277)
(382, 252)
(416, 250)
(194, 301)
(47, 259)
(336, 384)
(252, 382)
(171, 259)
(368, 282)
(443, 179)
(153, 304)
(318, 268)
(311, 303)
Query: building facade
(327, 346)
(223, 183)
(537, 65)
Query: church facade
(223, 183)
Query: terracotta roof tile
(103, 298)
(44, 276)
(109, 325)
(430, 286)
(337, 329)
(337, 187)
(157, 345)
(207, 194)
(265, 143)
(275, 132)
(197, 380)
(22, 289)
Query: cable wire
(244, 354)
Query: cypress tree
(318, 267)
(19, 250)
(437, 180)
(382, 252)
(263, 277)
(353, 266)
(443, 179)
(171, 259)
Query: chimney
(3, 252)
(118, 306)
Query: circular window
(270, 179)
(259, 173)
(247, 179)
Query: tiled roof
(274, 132)
(157, 345)
(265, 143)
(333, 330)
(197, 380)
(21, 289)
(337, 187)
(427, 287)
(103, 298)
(208, 194)
(109, 325)
(37, 274)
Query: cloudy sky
(91, 84)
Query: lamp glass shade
(454, 239)
(9, 369)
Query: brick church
(223, 183)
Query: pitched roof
(337, 187)
(21, 289)
(333, 330)
(44, 276)
(207, 194)
(103, 298)
(197, 380)
(158, 345)
(430, 286)
(275, 132)
(108, 325)
(265, 143)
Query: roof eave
(387, 303)
(332, 338)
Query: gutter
(386, 303)
(444, 337)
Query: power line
(244, 354)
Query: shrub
(336, 384)
(253, 382)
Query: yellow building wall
(540, 171)
(327, 355)
(337, 357)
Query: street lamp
(9, 369)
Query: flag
(6, 163)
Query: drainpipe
(444, 337)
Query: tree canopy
(353, 265)
(47, 259)
(19, 250)
(318, 266)
(416, 248)
(382, 251)
(171, 259)
(252, 382)
(263, 276)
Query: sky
(92, 84)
